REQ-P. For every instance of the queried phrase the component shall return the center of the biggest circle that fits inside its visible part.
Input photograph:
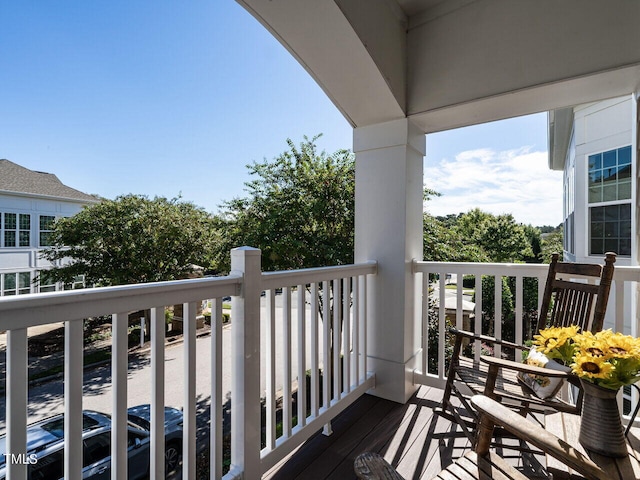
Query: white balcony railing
(323, 332)
(443, 284)
(302, 334)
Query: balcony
(305, 352)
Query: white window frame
(590, 205)
(17, 230)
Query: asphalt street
(47, 398)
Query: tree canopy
(478, 236)
(132, 239)
(299, 210)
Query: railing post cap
(245, 250)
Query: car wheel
(171, 457)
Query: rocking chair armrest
(483, 338)
(534, 434)
(523, 367)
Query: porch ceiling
(451, 63)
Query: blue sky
(169, 98)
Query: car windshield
(56, 427)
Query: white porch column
(389, 186)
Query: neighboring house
(30, 201)
(596, 145)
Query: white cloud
(513, 181)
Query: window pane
(625, 211)
(609, 159)
(597, 246)
(24, 279)
(609, 193)
(624, 171)
(9, 239)
(595, 162)
(25, 238)
(611, 213)
(625, 248)
(46, 222)
(611, 229)
(9, 281)
(624, 190)
(597, 214)
(25, 222)
(10, 221)
(611, 245)
(597, 229)
(624, 155)
(609, 175)
(595, 194)
(45, 239)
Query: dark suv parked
(45, 445)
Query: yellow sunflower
(591, 367)
(590, 344)
(623, 346)
(554, 337)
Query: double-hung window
(16, 229)
(610, 202)
(16, 283)
(46, 227)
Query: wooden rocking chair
(567, 300)
(481, 463)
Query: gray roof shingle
(14, 178)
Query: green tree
(131, 239)
(534, 238)
(299, 210)
(552, 243)
(444, 244)
(500, 237)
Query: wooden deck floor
(411, 437)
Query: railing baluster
(271, 371)
(315, 380)
(16, 407)
(364, 320)
(216, 390)
(425, 323)
(441, 324)
(286, 367)
(74, 359)
(478, 320)
(337, 370)
(497, 318)
(189, 412)
(355, 344)
(346, 337)
(619, 314)
(459, 298)
(302, 357)
(119, 371)
(326, 352)
(518, 311)
(157, 392)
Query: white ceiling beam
(360, 66)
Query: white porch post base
(389, 196)
(394, 381)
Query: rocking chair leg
(451, 373)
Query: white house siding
(599, 127)
(27, 259)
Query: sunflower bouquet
(607, 359)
